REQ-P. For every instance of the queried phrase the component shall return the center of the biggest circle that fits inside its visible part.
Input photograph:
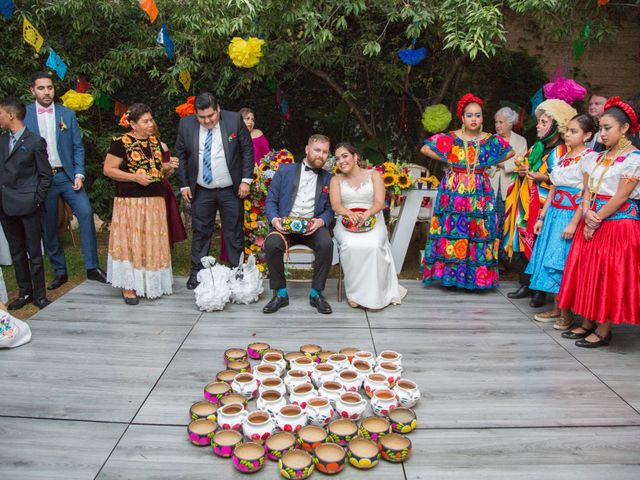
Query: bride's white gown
(370, 277)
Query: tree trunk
(451, 75)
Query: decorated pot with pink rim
(271, 401)
(204, 409)
(373, 382)
(383, 401)
(239, 366)
(311, 351)
(234, 398)
(276, 359)
(290, 356)
(389, 356)
(395, 448)
(214, 392)
(374, 427)
(245, 385)
(226, 376)
(200, 432)
(310, 436)
(230, 416)
(231, 354)
(295, 377)
(319, 411)
(301, 394)
(330, 458)
(365, 356)
(339, 360)
(256, 350)
(296, 464)
(258, 426)
(351, 405)
(264, 371)
(392, 371)
(407, 392)
(363, 454)
(363, 368)
(323, 372)
(305, 364)
(331, 390)
(291, 418)
(272, 383)
(341, 431)
(403, 420)
(324, 355)
(224, 441)
(349, 352)
(278, 444)
(350, 379)
(248, 457)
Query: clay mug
(224, 441)
(310, 436)
(339, 360)
(330, 458)
(373, 382)
(245, 385)
(374, 428)
(272, 383)
(322, 373)
(305, 364)
(256, 350)
(324, 355)
(291, 418)
(296, 464)
(395, 448)
(301, 394)
(278, 444)
(234, 354)
(331, 390)
(311, 351)
(392, 371)
(234, 398)
(389, 356)
(363, 454)
(239, 366)
(204, 409)
(214, 392)
(341, 431)
(319, 411)
(273, 358)
(383, 401)
(403, 420)
(351, 405)
(365, 356)
(349, 352)
(271, 401)
(273, 350)
(226, 376)
(363, 368)
(407, 392)
(248, 457)
(295, 377)
(290, 356)
(230, 416)
(258, 426)
(200, 432)
(350, 379)
(264, 371)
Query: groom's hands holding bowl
(315, 225)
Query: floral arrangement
(426, 182)
(256, 226)
(436, 118)
(395, 176)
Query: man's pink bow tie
(45, 110)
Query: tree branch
(451, 75)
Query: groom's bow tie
(314, 170)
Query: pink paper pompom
(564, 89)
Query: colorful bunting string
(101, 100)
(164, 39)
(536, 100)
(119, 109)
(151, 8)
(185, 79)
(31, 35)
(82, 86)
(6, 8)
(55, 63)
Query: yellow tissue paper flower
(245, 53)
(77, 101)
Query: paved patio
(103, 390)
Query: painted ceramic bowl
(256, 350)
(278, 444)
(324, 355)
(273, 350)
(330, 458)
(311, 351)
(239, 366)
(234, 354)
(296, 464)
(214, 392)
(310, 436)
(248, 457)
(203, 409)
(226, 376)
(225, 441)
(374, 428)
(363, 454)
(234, 398)
(368, 224)
(298, 225)
(403, 420)
(200, 432)
(395, 448)
(341, 431)
(349, 352)
(292, 356)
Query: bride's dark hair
(352, 150)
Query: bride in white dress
(370, 277)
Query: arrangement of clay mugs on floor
(311, 410)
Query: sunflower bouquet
(396, 178)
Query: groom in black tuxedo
(216, 168)
(25, 178)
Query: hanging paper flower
(186, 108)
(564, 89)
(245, 53)
(77, 101)
(601, 3)
(436, 118)
(412, 56)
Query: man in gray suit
(25, 177)
(216, 168)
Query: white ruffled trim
(146, 283)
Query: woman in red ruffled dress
(601, 280)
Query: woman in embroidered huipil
(600, 281)
(557, 223)
(462, 249)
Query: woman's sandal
(571, 335)
(602, 341)
(131, 300)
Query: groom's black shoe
(320, 303)
(193, 281)
(523, 292)
(275, 304)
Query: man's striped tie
(207, 174)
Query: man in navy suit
(301, 190)
(25, 177)
(59, 127)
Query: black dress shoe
(20, 302)
(602, 341)
(42, 303)
(571, 335)
(321, 304)
(275, 304)
(538, 299)
(58, 281)
(522, 292)
(97, 275)
(193, 281)
(131, 300)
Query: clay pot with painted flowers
(224, 441)
(340, 361)
(363, 368)
(323, 373)
(271, 401)
(383, 401)
(389, 356)
(278, 444)
(256, 350)
(395, 448)
(349, 352)
(301, 394)
(374, 428)
(351, 405)
(350, 379)
(232, 354)
(407, 392)
(324, 355)
(331, 390)
(310, 436)
(264, 371)
(291, 418)
(248, 457)
(296, 465)
(330, 458)
(342, 431)
(403, 420)
(258, 425)
(392, 371)
(319, 411)
(214, 392)
(373, 382)
(273, 358)
(204, 409)
(365, 356)
(311, 351)
(272, 383)
(294, 378)
(230, 416)
(305, 364)
(200, 432)
(363, 454)
(245, 385)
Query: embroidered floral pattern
(138, 161)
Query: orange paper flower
(186, 108)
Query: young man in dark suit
(301, 190)
(59, 127)
(216, 168)
(25, 177)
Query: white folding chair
(302, 257)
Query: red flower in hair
(627, 109)
(466, 99)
